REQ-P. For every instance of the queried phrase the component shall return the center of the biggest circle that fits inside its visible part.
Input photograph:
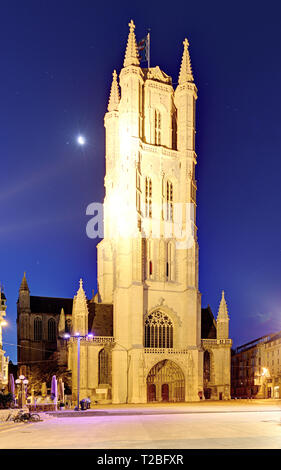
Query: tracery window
(37, 329)
(207, 366)
(68, 325)
(148, 197)
(103, 367)
(52, 330)
(169, 199)
(149, 255)
(158, 330)
(157, 127)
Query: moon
(81, 140)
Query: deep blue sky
(57, 58)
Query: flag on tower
(143, 48)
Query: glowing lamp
(66, 335)
(21, 377)
(90, 335)
(25, 382)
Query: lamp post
(21, 383)
(78, 337)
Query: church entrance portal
(165, 382)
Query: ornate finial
(185, 70)
(114, 97)
(223, 312)
(81, 283)
(24, 285)
(132, 26)
(131, 55)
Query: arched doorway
(151, 392)
(168, 381)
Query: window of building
(158, 331)
(207, 366)
(68, 325)
(103, 367)
(157, 127)
(37, 329)
(169, 200)
(148, 197)
(52, 336)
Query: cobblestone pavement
(185, 426)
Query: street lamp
(21, 383)
(78, 337)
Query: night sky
(57, 59)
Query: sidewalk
(233, 406)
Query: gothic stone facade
(147, 268)
(162, 346)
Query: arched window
(149, 259)
(169, 200)
(158, 330)
(148, 197)
(207, 366)
(68, 325)
(157, 127)
(103, 367)
(37, 329)
(52, 327)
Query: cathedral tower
(148, 260)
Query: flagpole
(148, 48)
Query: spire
(131, 55)
(24, 285)
(223, 312)
(114, 97)
(62, 323)
(185, 70)
(80, 311)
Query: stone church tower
(148, 259)
(144, 336)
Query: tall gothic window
(103, 367)
(52, 330)
(169, 198)
(68, 325)
(37, 329)
(149, 257)
(157, 128)
(148, 197)
(207, 366)
(158, 330)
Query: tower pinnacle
(24, 285)
(185, 70)
(114, 97)
(223, 311)
(131, 55)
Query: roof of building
(208, 324)
(51, 305)
(101, 315)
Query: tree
(43, 372)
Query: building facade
(256, 368)
(144, 336)
(4, 360)
(148, 258)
